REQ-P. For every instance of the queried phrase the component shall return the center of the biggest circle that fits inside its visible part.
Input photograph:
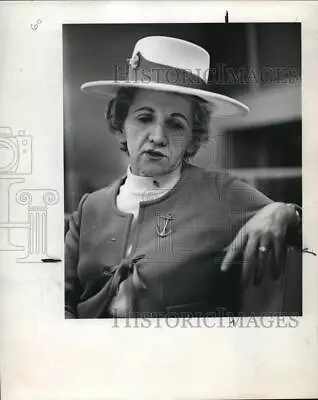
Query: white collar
(137, 184)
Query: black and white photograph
(158, 191)
(182, 170)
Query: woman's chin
(153, 169)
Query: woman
(169, 236)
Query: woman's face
(158, 130)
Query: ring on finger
(263, 249)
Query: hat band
(142, 70)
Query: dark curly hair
(117, 110)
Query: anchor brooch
(164, 232)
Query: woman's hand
(262, 242)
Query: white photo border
(44, 356)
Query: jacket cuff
(294, 231)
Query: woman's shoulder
(103, 195)
(224, 183)
(213, 176)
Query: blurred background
(258, 64)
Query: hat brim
(221, 106)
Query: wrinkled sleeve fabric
(73, 288)
(245, 201)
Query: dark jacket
(178, 272)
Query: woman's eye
(144, 118)
(176, 125)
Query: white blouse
(143, 188)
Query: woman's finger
(249, 260)
(279, 259)
(264, 256)
(233, 251)
(278, 244)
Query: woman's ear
(121, 134)
(121, 137)
(193, 147)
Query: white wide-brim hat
(171, 65)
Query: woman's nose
(157, 134)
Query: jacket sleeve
(245, 201)
(294, 235)
(72, 285)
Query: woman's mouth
(154, 154)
